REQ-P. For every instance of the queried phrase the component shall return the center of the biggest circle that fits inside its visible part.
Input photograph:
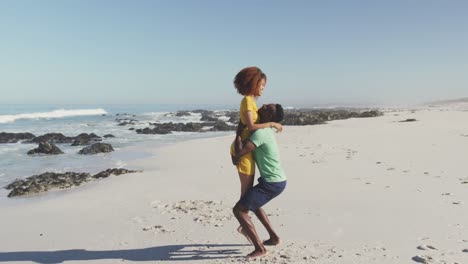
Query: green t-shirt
(267, 156)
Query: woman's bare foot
(241, 231)
(272, 241)
(257, 253)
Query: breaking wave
(53, 114)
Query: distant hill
(449, 102)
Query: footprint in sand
(422, 259)
(157, 229)
(213, 213)
(350, 153)
(426, 247)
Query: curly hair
(247, 81)
(279, 115)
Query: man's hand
(240, 127)
(238, 145)
(235, 160)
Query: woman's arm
(252, 126)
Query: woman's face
(262, 87)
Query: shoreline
(359, 191)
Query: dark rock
(50, 180)
(124, 114)
(108, 172)
(85, 139)
(59, 138)
(234, 117)
(44, 182)
(222, 126)
(132, 128)
(96, 148)
(156, 130)
(46, 148)
(126, 123)
(182, 113)
(208, 117)
(191, 127)
(372, 113)
(14, 137)
(56, 138)
(109, 136)
(202, 112)
(167, 128)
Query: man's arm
(242, 149)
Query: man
(271, 183)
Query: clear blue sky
(188, 51)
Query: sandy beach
(361, 190)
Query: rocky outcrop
(59, 138)
(46, 148)
(56, 138)
(14, 137)
(166, 128)
(96, 148)
(314, 117)
(51, 180)
(109, 136)
(155, 130)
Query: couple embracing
(255, 143)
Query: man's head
(271, 113)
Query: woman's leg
(246, 182)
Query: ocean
(71, 120)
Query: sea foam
(53, 114)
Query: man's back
(267, 155)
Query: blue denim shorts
(261, 194)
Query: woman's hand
(277, 126)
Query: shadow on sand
(161, 253)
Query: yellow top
(248, 104)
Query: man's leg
(246, 183)
(241, 213)
(274, 238)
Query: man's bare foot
(272, 242)
(241, 231)
(257, 253)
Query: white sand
(359, 191)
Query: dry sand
(371, 190)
